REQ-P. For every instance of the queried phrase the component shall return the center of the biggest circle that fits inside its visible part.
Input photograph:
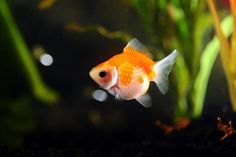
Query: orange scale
(140, 79)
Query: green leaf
(9, 28)
(206, 63)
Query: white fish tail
(162, 70)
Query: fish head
(104, 75)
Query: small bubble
(46, 59)
(100, 95)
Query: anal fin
(145, 100)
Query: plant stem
(207, 60)
(226, 53)
(39, 89)
(225, 48)
(233, 52)
(233, 39)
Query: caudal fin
(162, 70)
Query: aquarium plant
(181, 25)
(227, 48)
(17, 118)
(11, 32)
(188, 23)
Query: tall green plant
(188, 24)
(17, 118)
(181, 25)
(228, 49)
(207, 60)
(16, 41)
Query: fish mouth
(114, 90)
(115, 86)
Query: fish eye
(102, 73)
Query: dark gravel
(201, 137)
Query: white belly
(136, 88)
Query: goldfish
(127, 75)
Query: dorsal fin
(135, 45)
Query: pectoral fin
(145, 100)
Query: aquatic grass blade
(207, 61)
(76, 27)
(226, 52)
(38, 87)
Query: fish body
(127, 75)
